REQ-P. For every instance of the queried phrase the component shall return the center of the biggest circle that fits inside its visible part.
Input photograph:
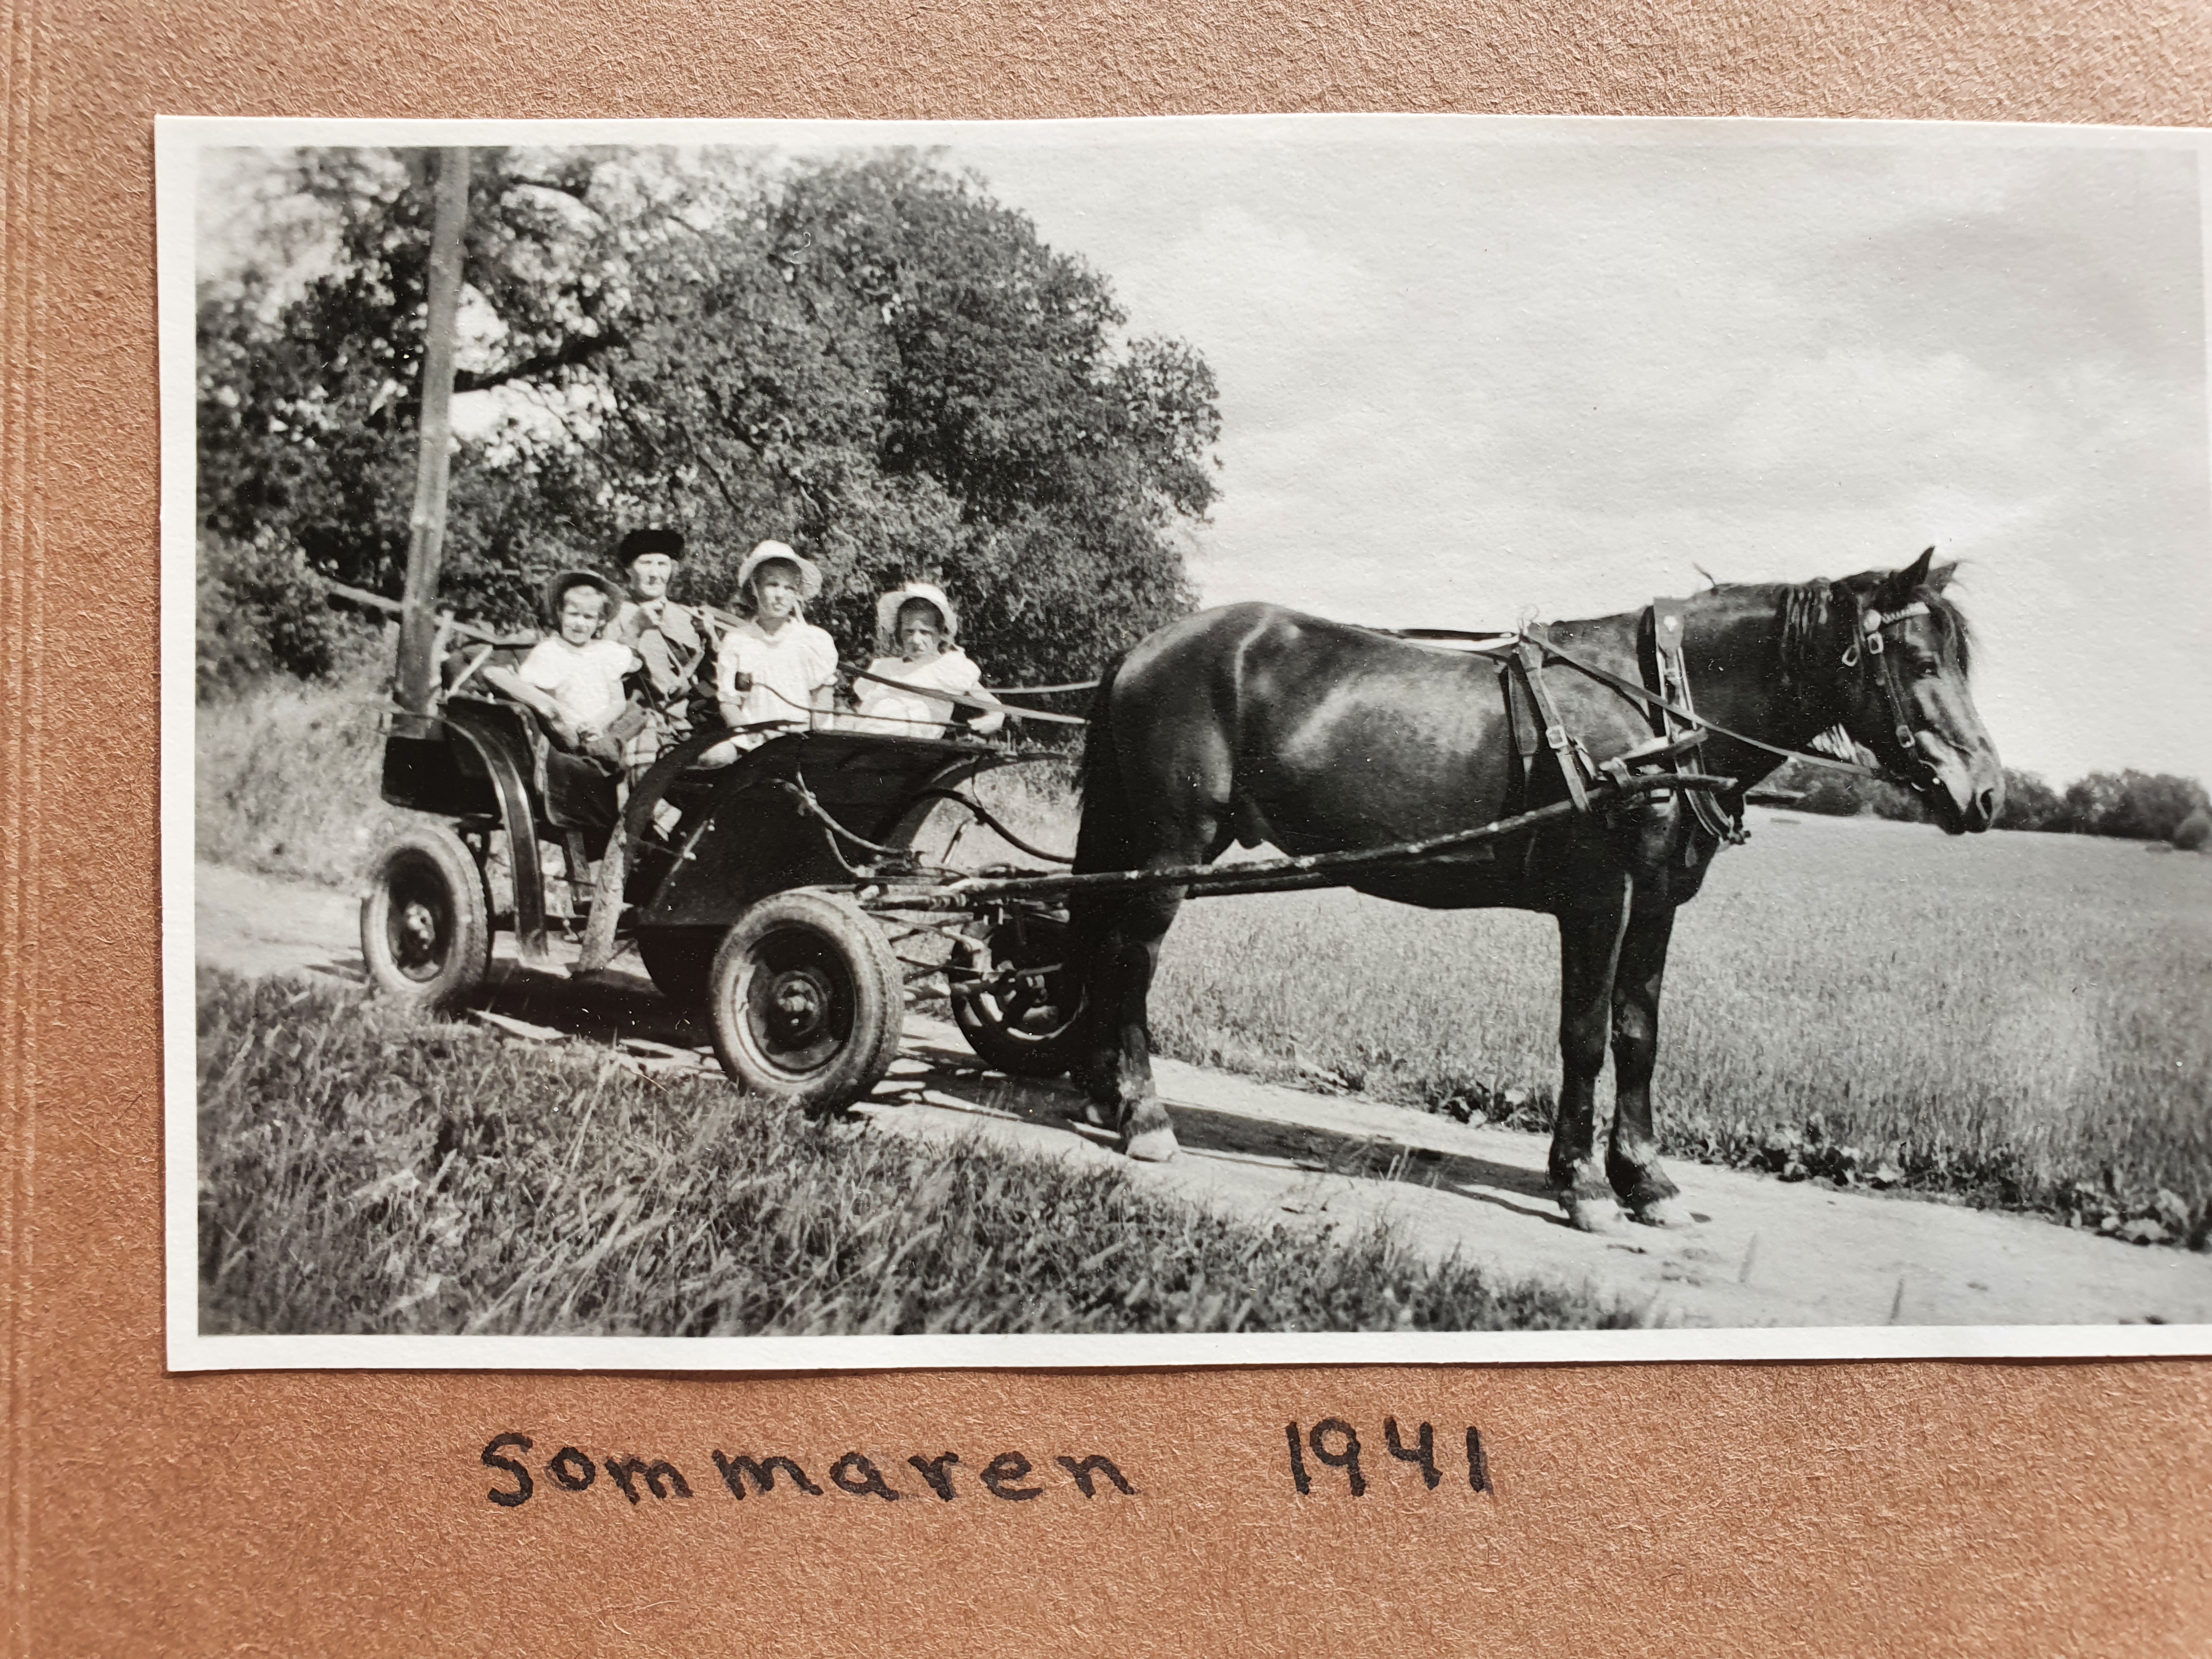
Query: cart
(767, 893)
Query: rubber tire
(430, 866)
(679, 961)
(830, 958)
(996, 1040)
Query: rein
(1868, 646)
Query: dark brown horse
(1253, 724)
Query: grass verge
(362, 1172)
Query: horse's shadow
(957, 1079)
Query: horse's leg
(1631, 1162)
(1117, 935)
(1589, 947)
(1128, 954)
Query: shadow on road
(1208, 1132)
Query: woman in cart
(915, 628)
(774, 670)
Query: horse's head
(1901, 689)
(1901, 669)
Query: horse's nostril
(1985, 804)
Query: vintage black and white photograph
(1204, 740)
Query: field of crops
(2025, 1020)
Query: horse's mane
(1808, 610)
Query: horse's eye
(1927, 669)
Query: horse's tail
(1099, 836)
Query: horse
(1253, 724)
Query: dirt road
(1762, 1253)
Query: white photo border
(179, 141)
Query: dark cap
(639, 543)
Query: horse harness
(1531, 713)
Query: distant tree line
(2137, 805)
(870, 358)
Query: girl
(775, 666)
(917, 623)
(573, 679)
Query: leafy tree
(869, 358)
(2030, 804)
(2140, 806)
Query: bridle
(1868, 653)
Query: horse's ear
(1939, 577)
(1897, 591)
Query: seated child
(774, 667)
(917, 621)
(573, 679)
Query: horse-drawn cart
(785, 894)
(746, 890)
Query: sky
(1471, 371)
(1474, 370)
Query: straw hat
(568, 579)
(809, 577)
(887, 610)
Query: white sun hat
(887, 610)
(810, 576)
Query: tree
(2140, 806)
(2030, 804)
(871, 359)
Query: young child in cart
(915, 628)
(774, 670)
(573, 679)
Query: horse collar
(1666, 623)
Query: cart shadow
(955, 1080)
(604, 1007)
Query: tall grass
(362, 1172)
(286, 778)
(2025, 1019)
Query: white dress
(789, 667)
(906, 710)
(586, 680)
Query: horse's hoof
(1662, 1212)
(1599, 1216)
(1153, 1146)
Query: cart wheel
(679, 961)
(426, 922)
(807, 1001)
(1022, 1011)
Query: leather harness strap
(1665, 625)
(1544, 726)
(1522, 657)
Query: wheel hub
(797, 1000)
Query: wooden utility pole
(426, 545)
